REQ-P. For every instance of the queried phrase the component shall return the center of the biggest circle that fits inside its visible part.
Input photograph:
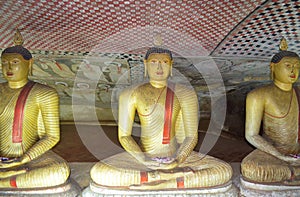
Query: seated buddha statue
(276, 106)
(164, 157)
(29, 125)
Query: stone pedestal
(227, 190)
(250, 189)
(69, 189)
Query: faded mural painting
(96, 81)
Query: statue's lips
(9, 74)
(159, 73)
(293, 76)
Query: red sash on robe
(168, 113)
(19, 113)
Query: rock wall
(89, 86)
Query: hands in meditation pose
(29, 126)
(164, 157)
(276, 158)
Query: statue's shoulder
(44, 89)
(131, 92)
(181, 89)
(260, 92)
(43, 86)
(3, 85)
(136, 88)
(179, 86)
(3, 88)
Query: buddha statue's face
(14, 67)
(287, 70)
(158, 66)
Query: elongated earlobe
(272, 71)
(272, 75)
(171, 73)
(145, 71)
(30, 67)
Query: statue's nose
(293, 69)
(9, 66)
(159, 65)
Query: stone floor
(80, 172)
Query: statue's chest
(155, 105)
(283, 106)
(151, 99)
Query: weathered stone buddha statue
(29, 126)
(276, 159)
(164, 156)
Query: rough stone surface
(228, 190)
(249, 189)
(69, 189)
(80, 172)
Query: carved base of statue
(121, 173)
(227, 189)
(68, 189)
(249, 189)
(264, 174)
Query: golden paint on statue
(164, 158)
(276, 159)
(29, 126)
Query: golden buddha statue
(29, 126)
(164, 157)
(276, 159)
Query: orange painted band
(168, 113)
(19, 113)
(144, 177)
(13, 182)
(180, 182)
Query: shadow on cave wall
(236, 107)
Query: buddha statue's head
(158, 63)
(16, 62)
(285, 65)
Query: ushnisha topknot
(158, 50)
(158, 47)
(283, 52)
(278, 56)
(18, 48)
